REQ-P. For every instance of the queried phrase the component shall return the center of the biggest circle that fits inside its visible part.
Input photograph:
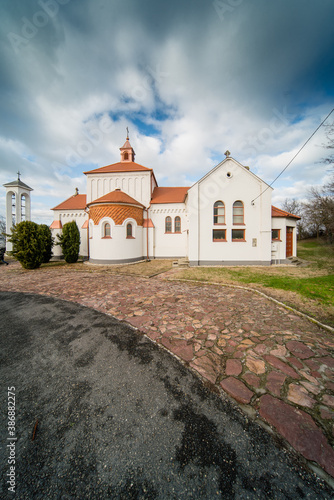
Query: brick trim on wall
(118, 213)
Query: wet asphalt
(121, 418)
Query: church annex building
(225, 218)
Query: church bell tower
(18, 206)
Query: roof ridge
(126, 198)
(122, 166)
(73, 196)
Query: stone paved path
(278, 366)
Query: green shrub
(48, 240)
(29, 244)
(69, 242)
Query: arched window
(238, 212)
(23, 207)
(129, 230)
(13, 209)
(219, 213)
(177, 224)
(126, 156)
(168, 225)
(107, 230)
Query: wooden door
(289, 242)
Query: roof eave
(96, 203)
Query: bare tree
(313, 209)
(296, 207)
(319, 212)
(2, 230)
(292, 206)
(329, 160)
(329, 187)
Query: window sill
(275, 240)
(219, 224)
(106, 237)
(219, 241)
(130, 238)
(238, 241)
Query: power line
(284, 169)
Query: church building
(225, 218)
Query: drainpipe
(87, 212)
(148, 258)
(88, 255)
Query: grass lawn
(309, 289)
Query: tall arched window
(13, 209)
(126, 156)
(168, 225)
(219, 213)
(177, 224)
(107, 230)
(23, 207)
(238, 212)
(129, 230)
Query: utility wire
(284, 169)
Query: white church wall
(174, 244)
(118, 248)
(135, 184)
(229, 182)
(148, 242)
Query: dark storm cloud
(251, 75)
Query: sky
(190, 79)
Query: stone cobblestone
(260, 353)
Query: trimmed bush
(48, 241)
(69, 242)
(28, 244)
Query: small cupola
(127, 151)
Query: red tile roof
(56, 224)
(148, 223)
(75, 202)
(128, 166)
(126, 145)
(169, 195)
(116, 196)
(277, 212)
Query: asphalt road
(119, 417)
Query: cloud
(190, 79)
